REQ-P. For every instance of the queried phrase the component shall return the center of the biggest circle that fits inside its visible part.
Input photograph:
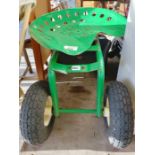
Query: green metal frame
(96, 66)
(72, 32)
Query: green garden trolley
(73, 33)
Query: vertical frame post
(53, 89)
(100, 82)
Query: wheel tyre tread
(120, 132)
(31, 115)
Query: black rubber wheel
(120, 128)
(32, 125)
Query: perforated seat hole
(65, 23)
(46, 22)
(52, 29)
(68, 15)
(40, 30)
(85, 13)
(109, 18)
(34, 26)
(59, 16)
(73, 21)
(101, 15)
(76, 13)
(81, 20)
(52, 19)
(58, 26)
(94, 14)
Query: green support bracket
(98, 66)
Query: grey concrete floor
(73, 133)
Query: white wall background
(126, 72)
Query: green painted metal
(100, 82)
(85, 111)
(53, 90)
(72, 31)
(98, 66)
(68, 68)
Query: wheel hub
(107, 112)
(48, 111)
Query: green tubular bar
(86, 111)
(53, 89)
(72, 32)
(100, 82)
(68, 68)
